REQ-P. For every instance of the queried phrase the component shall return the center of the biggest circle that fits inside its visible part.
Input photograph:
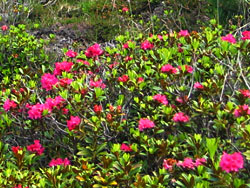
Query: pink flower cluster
(190, 164)
(36, 148)
(36, 111)
(161, 99)
(198, 85)
(187, 68)
(123, 78)
(245, 92)
(73, 122)
(62, 66)
(126, 45)
(229, 38)
(98, 83)
(9, 104)
(231, 162)
(83, 62)
(59, 161)
(146, 45)
(48, 81)
(94, 51)
(98, 109)
(65, 81)
(20, 186)
(145, 123)
(242, 110)
(126, 148)
(183, 33)
(15, 149)
(4, 27)
(180, 117)
(71, 53)
(246, 35)
(168, 69)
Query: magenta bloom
(183, 33)
(187, 163)
(246, 35)
(123, 78)
(145, 123)
(242, 110)
(15, 149)
(187, 68)
(169, 69)
(59, 161)
(94, 51)
(71, 53)
(146, 45)
(73, 122)
(140, 80)
(62, 66)
(198, 85)
(229, 38)
(125, 9)
(8, 104)
(36, 111)
(180, 117)
(126, 148)
(20, 186)
(98, 109)
(83, 62)
(161, 99)
(36, 148)
(231, 162)
(97, 84)
(50, 103)
(4, 27)
(65, 81)
(48, 81)
(245, 92)
(199, 161)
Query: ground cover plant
(166, 110)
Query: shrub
(111, 125)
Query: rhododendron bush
(167, 110)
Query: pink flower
(20, 186)
(73, 122)
(98, 109)
(50, 103)
(231, 162)
(187, 68)
(159, 37)
(83, 62)
(146, 45)
(36, 148)
(169, 69)
(169, 163)
(161, 99)
(35, 111)
(125, 9)
(229, 38)
(245, 92)
(199, 161)
(15, 149)
(187, 163)
(65, 81)
(8, 104)
(180, 117)
(140, 80)
(128, 58)
(48, 81)
(126, 45)
(182, 99)
(145, 123)
(242, 111)
(65, 111)
(71, 53)
(62, 66)
(113, 65)
(246, 35)
(4, 27)
(123, 78)
(198, 85)
(59, 161)
(126, 148)
(183, 33)
(97, 84)
(94, 51)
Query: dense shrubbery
(168, 110)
